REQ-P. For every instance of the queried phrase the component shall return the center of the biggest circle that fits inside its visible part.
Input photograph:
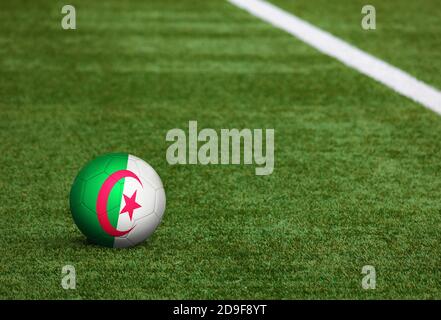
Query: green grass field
(357, 166)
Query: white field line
(351, 56)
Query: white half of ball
(150, 196)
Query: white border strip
(351, 56)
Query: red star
(131, 205)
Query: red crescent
(103, 197)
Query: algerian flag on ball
(117, 200)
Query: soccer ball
(117, 200)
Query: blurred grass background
(357, 173)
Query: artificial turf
(357, 166)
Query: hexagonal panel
(143, 229)
(147, 172)
(117, 161)
(94, 167)
(121, 242)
